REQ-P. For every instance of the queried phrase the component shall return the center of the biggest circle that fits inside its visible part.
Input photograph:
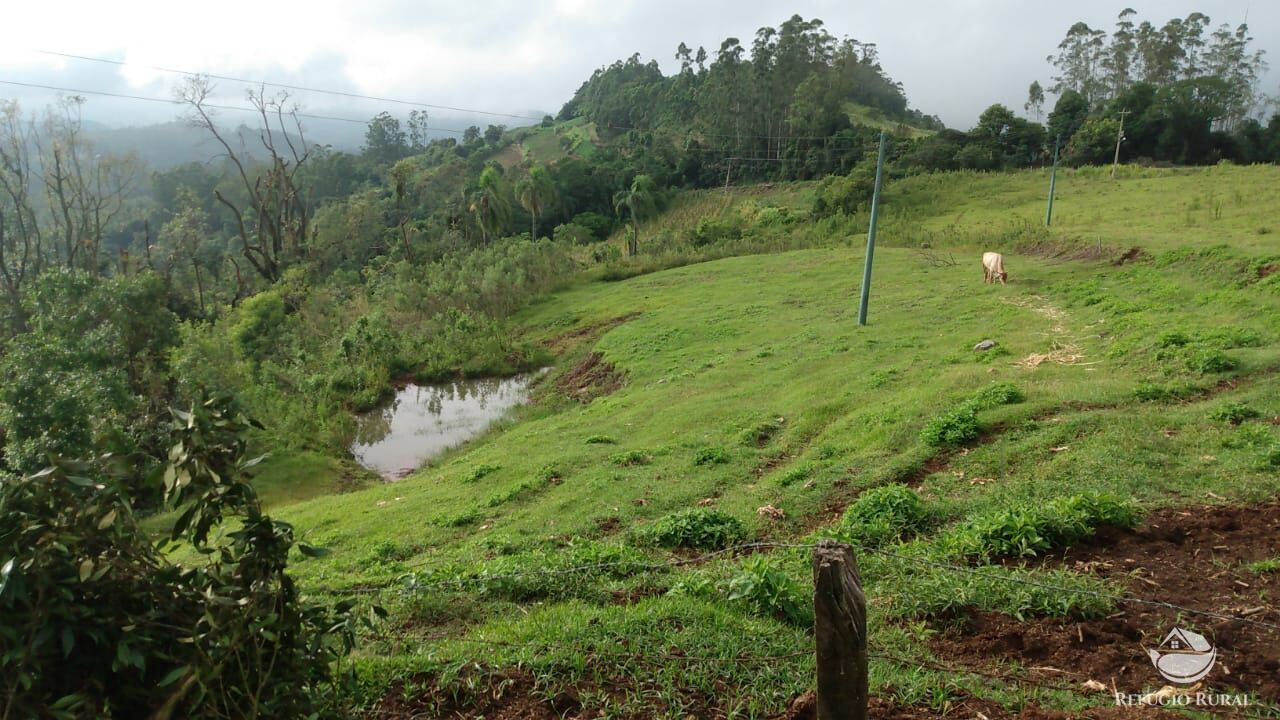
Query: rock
(985, 345)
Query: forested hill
(795, 93)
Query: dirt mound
(590, 378)
(1193, 557)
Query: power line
(301, 88)
(143, 98)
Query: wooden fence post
(840, 627)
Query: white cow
(993, 268)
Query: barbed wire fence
(411, 585)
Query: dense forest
(147, 315)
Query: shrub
(1210, 360)
(769, 591)
(711, 456)
(696, 528)
(600, 440)
(479, 471)
(1249, 436)
(1162, 392)
(96, 622)
(884, 514)
(630, 457)
(1235, 413)
(1025, 532)
(996, 394)
(953, 428)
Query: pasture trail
(1063, 350)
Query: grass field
(752, 407)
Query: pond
(422, 421)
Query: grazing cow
(993, 268)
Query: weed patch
(696, 528)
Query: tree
(1035, 100)
(1078, 62)
(534, 193)
(274, 224)
(417, 130)
(470, 135)
(493, 133)
(384, 140)
(638, 201)
(1068, 115)
(489, 204)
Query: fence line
(412, 587)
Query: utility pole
(1119, 139)
(871, 232)
(1053, 179)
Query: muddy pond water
(422, 421)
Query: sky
(953, 57)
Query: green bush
(696, 528)
(711, 456)
(953, 428)
(1026, 532)
(600, 440)
(883, 515)
(630, 457)
(761, 434)
(479, 471)
(1235, 413)
(994, 395)
(1249, 436)
(769, 591)
(1210, 360)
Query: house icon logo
(1184, 657)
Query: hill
(554, 562)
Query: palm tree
(489, 204)
(535, 193)
(638, 200)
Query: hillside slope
(531, 560)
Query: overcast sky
(954, 57)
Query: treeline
(780, 109)
(1184, 93)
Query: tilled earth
(1194, 557)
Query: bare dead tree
(84, 192)
(21, 239)
(273, 226)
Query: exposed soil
(1193, 557)
(504, 697)
(967, 707)
(1133, 254)
(566, 341)
(590, 379)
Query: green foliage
(883, 515)
(101, 624)
(953, 428)
(600, 440)
(1024, 532)
(90, 372)
(994, 395)
(796, 474)
(762, 433)
(1264, 567)
(959, 425)
(769, 591)
(1162, 392)
(259, 327)
(711, 456)
(696, 528)
(628, 458)
(476, 473)
(844, 194)
(1210, 360)
(1235, 413)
